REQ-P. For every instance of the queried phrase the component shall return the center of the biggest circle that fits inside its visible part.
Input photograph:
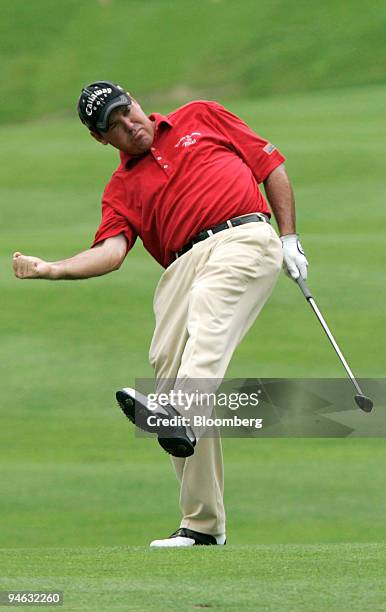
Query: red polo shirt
(203, 168)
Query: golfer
(188, 186)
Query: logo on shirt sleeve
(269, 148)
(188, 140)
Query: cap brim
(102, 125)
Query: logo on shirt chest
(188, 140)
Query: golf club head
(364, 403)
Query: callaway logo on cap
(96, 102)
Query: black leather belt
(252, 218)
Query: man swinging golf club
(188, 186)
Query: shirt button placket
(159, 158)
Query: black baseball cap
(96, 102)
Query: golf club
(364, 402)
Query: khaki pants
(204, 304)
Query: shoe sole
(138, 415)
(178, 446)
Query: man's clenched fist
(25, 266)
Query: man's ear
(99, 137)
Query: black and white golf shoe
(175, 438)
(188, 537)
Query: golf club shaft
(307, 294)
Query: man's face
(130, 130)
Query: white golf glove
(294, 261)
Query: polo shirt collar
(160, 120)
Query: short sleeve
(113, 221)
(259, 154)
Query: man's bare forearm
(281, 199)
(90, 263)
(102, 259)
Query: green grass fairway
(336, 577)
(176, 50)
(81, 496)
